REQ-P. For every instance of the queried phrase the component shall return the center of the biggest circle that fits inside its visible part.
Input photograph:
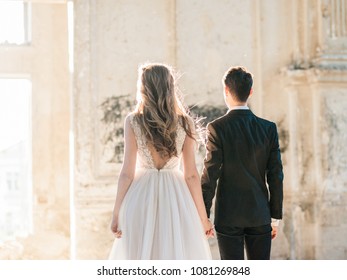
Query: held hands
(114, 227)
(208, 228)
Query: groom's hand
(274, 232)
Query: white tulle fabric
(158, 217)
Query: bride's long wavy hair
(159, 109)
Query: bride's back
(149, 157)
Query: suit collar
(239, 112)
(242, 107)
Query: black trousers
(232, 242)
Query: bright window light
(15, 159)
(14, 22)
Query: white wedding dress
(158, 217)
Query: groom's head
(238, 83)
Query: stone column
(316, 90)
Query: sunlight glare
(12, 22)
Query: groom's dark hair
(239, 82)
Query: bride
(159, 211)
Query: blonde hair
(159, 109)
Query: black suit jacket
(243, 155)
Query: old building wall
(303, 89)
(296, 51)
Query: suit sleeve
(275, 177)
(212, 166)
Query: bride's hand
(114, 227)
(209, 228)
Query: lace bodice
(145, 159)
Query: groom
(243, 155)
